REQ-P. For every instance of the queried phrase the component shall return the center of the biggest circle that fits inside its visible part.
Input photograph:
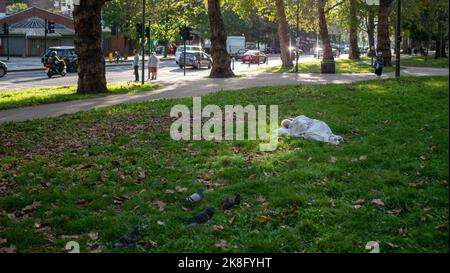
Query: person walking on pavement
(379, 63)
(153, 64)
(136, 66)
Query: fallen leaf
(160, 204)
(152, 243)
(423, 157)
(10, 249)
(222, 244)
(141, 173)
(161, 223)
(357, 206)
(395, 211)
(93, 236)
(119, 199)
(231, 221)
(265, 218)
(3, 241)
(85, 166)
(333, 159)
(245, 205)
(331, 204)
(359, 202)
(362, 158)
(392, 245)
(378, 202)
(442, 226)
(217, 228)
(403, 232)
(260, 198)
(169, 191)
(180, 189)
(31, 207)
(309, 159)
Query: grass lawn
(35, 96)
(429, 62)
(92, 176)
(342, 66)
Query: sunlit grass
(35, 96)
(342, 66)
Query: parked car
(66, 54)
(239, 54)
(180, 49)
(3, 69)
(197, 59)
(254, 56)
(318, 52)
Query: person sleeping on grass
(310, 129)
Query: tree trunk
(353, 31)
(221, 67)
(405, 42)
(283, 35)
(323, 31)
(371, 30)
(383, 31)
(88, 38)
(440, 42)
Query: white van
(235, 43)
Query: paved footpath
(198, 86)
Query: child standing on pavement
(379, 63)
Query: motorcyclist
(55, 61)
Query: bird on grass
(230, 202)
(202, 217)
(128, 239)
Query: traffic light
(51, 26)
(139, 29)
(114, 29)
(147, 32)
(185, 33)
(5, 29)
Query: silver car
(3, 69)
(195, 59)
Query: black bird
(229, 202)
(202, 217)
(128, 239)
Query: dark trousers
(136, 73)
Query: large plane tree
(88, 46)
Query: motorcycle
(56, 69)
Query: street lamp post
(298, 38)
(398, 39)
(143, 42)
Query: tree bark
(371, 30)
(91, 63)
(221, 67)
(405, 42)
(383, 31)
(283, 35)
(353, 31)
(440, 42)
(323, 31)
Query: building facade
(27, 32)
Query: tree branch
(334, 6)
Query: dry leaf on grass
(159, 204)
(10, 249)
(260, 198)
(217, 227)
(222, 244)
(180, 189)
(378, 202)
(403, 232)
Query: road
(169, 72)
